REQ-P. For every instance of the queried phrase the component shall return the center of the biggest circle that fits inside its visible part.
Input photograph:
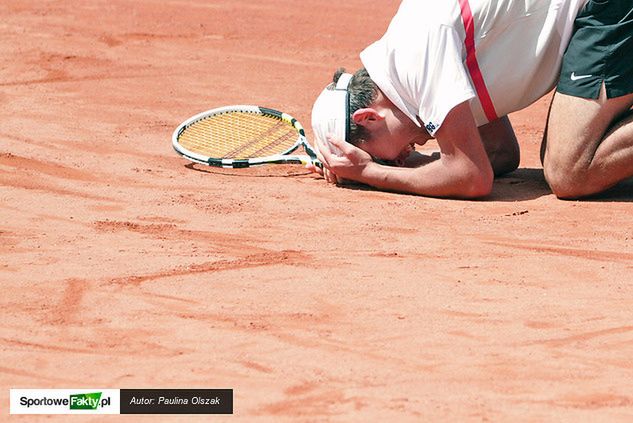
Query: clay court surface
(125, 267)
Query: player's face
(386, 149)
(396, 139)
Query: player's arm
(500, 144)
(462, 170)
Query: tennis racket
(242, 136)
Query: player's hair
(362, 92)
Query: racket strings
(271, 140)
(238, 135)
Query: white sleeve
(437, 79)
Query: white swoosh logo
(575, 77)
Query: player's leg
(589, 144)
(501, 145)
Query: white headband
(343, 81)
(330, 113)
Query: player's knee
(566, 182)
(511, 160)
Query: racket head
(241, 136)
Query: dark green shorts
(600, 50)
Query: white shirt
(427, 62)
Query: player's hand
(323, 171)
(341, 160)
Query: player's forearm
(436, 179)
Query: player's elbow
(478, 187)
(476, 183)
(468, 179)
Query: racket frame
(281, 158)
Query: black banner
(176, 401)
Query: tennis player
(453, 70)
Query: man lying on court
(453, 69)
